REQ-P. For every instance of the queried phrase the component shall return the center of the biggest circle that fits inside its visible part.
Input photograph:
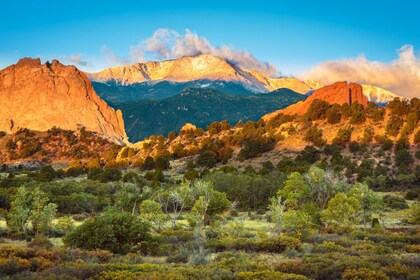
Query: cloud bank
(401, 76)
(167, 44)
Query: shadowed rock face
(340, 93)
(40, 96)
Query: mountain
(159, 80)
(339, 92)
(41, 96)
(199, 107)
(155, 90)
(201, 68)
(378, 95)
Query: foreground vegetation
(227, 224)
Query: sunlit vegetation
(220, 203)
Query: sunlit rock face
(340, 93)
(378, 95)
(40, 96)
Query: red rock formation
(339, 92)
(39, 96)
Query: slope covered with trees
(200, 107)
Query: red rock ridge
(339, 92)
(39, 96)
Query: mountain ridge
(204, 67)
(200, 67)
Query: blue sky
(294, 36)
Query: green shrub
(115, 231)
(272, 245)
(364, 273)
(395, 202)
(412, 194)
(269, 275)
(40, 242)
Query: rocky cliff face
(40, 96)
(340, 93)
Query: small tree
(31, 207)
(42, 213)
(369, 201)
(333, 115)
(314, 135)
(128, 196)
(340, 210)
(174, 201)
(298, 222)
(196, 218)
(276, 211)
(18, 216)
(152, 212)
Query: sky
(364, 41)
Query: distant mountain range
(154, 97)
(163, 79)
(200, 107)
(203, 68)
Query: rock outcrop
(41, 96)
(339, 92)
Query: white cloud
(78, 60)
(166, 43)
(401, 76)
(115, 59)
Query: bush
(358, 114)
(314, 135)
(317, 110)
(364, 273)
(115, 231)
(40, 242)
(254, 147)
(333, 115)
(343, 136)
(395, 202)
(412, 194)
(271, 245)
(393, 126)
(269, 275)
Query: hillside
(41, 96)
(356, 136)
(26, 147)
(200, 107)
